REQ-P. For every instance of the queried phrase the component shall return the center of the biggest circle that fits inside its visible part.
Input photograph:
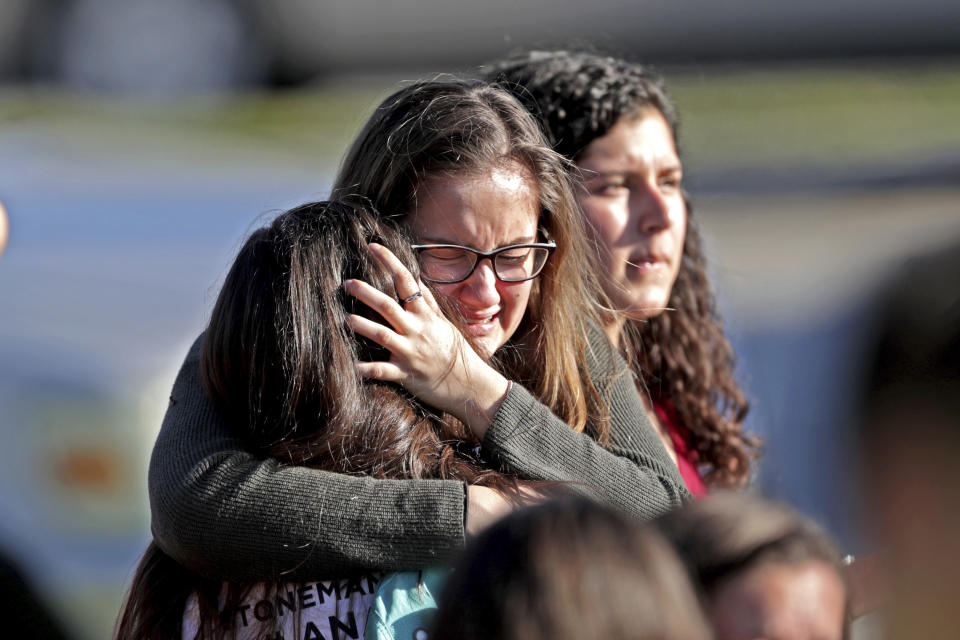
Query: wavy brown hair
(682, 356)
(279, 361)
(433, 129)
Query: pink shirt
(686, 456)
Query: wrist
(489, 392)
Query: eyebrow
(434, 240)
(593, 174)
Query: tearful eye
(514, 257)
(445, 253)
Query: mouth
(646, 261)
(481, 325)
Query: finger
(404, 283)
(380, 302)
(375, 331)
(431, 301)
(386, 371)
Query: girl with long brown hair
(615, 122)
(463, 169)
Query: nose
(651, 208)
(480, 289)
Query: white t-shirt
(328, 610)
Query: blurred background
(140, 140)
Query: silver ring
(418, 294)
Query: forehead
(484, 210)
(804, 600)
(642, 138)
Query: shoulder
(603, 360)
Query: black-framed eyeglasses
(449, 263)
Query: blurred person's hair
(25, 612)
(438, 129)
(729, 534)
(682, 355)
(279, 360)
(914, 360)
(909, 435)
(564, 570)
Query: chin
(649, 307)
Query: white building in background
(156, 45)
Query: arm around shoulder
(634, 474)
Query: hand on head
(429, 356)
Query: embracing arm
(229, 515)
(634, 473)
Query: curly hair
(683, 357)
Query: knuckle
(382, 305)
(382, 335)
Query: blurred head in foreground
(569, 569)
(764, 570)
(910, 439)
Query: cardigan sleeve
(634, 473)
(229, 515)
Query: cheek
(679, 224)
(606, 221)
(447, 293)
(514, 299)
(680, 238)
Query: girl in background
(615, 123)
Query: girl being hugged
(280, 361)
(463, 170)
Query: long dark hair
(434, 129)
(683, 355)
(279, 361)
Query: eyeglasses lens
(521, 263)
(446, 264)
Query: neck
(613, 328)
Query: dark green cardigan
(230, 515)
